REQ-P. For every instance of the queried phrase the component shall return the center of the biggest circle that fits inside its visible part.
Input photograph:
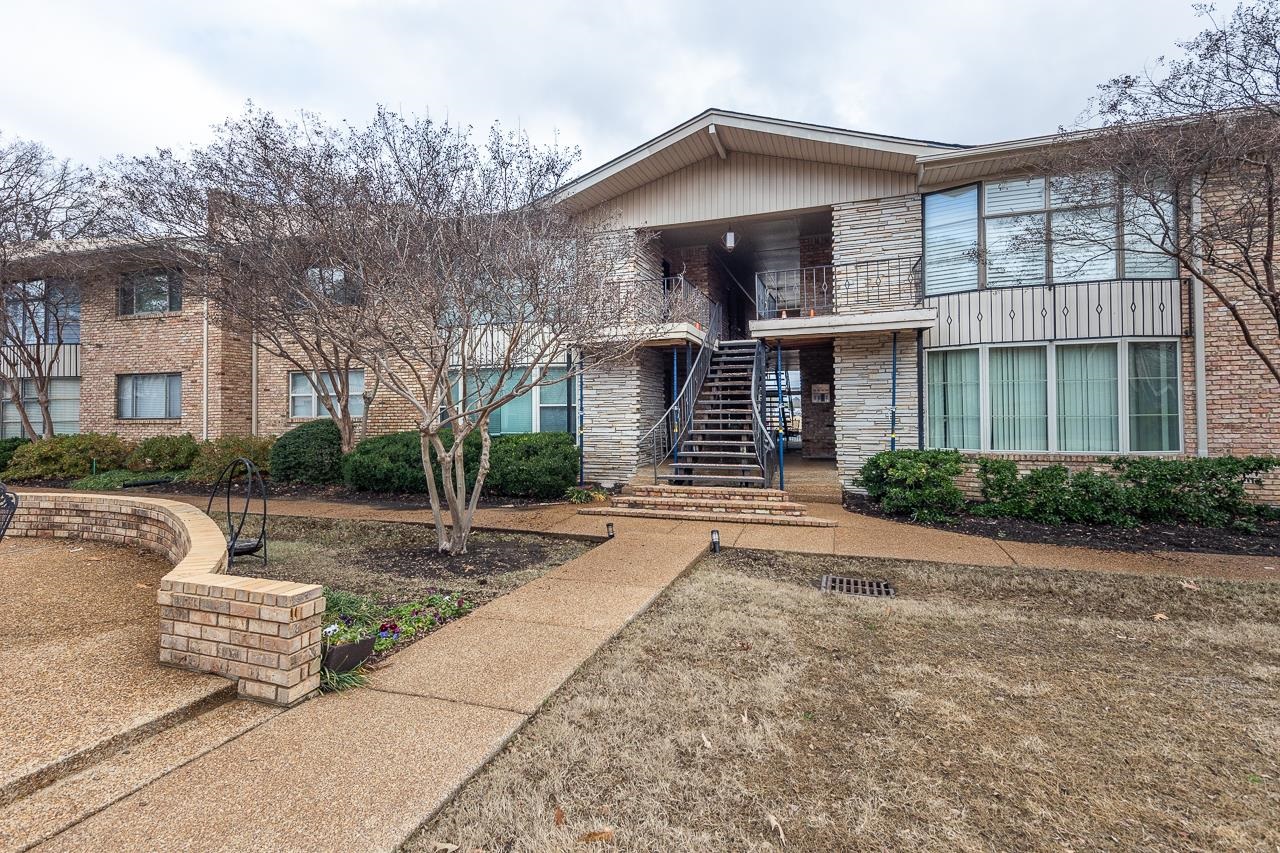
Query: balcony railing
(674, 299)
(884, 284)
(1062, 312)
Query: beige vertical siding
(748, 185)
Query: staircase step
(722, 453)
(43, 813)
(709, 505)
(713, 479)
(729, 517)
(720, 492)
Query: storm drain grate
(858, 586)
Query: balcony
(667, 310)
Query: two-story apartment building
(884, 272)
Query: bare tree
(49, 216)
(254, 215)
(1183, 161)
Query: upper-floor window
(43, 312)
(1033, 231)
(336, 283)
(151, 292)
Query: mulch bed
(333, 492)
(484, 558)
(1144, 537)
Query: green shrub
(7, 446)
(216, 455)
(393, 463)
(919, 483)
(109, 481)
(536, 465)
(310, 453)
(1199, 491)
(164, 453)
(66, 457)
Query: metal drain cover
(858, 586)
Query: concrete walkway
(362, 770)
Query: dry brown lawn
(983, 709)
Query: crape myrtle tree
(255, 219)
(49, 220)
(479, 279)
(1181, 161)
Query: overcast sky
(94, 79)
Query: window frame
(1047, 211)
(1051, 390)
(535, 394)
(167, 416)
(33, 409)
(317, 408)
(127, 293)
(49, 308)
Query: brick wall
(264, 635)
(863, 392)
(818, 420)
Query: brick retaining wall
(262, 634)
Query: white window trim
(1051, 379)
(317, 408)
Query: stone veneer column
(620, 401)
(863, 393)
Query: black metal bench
(242, 543)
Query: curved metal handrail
(766, 446)
(669, 431)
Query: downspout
(204, 381)
(893, 395)
(582, 446)
(920, 389)
(253, 383)
(1197, 309)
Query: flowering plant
(349, 618)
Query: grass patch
(109, 481)
(981, 709)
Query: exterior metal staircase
(719, 448)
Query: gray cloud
(94, 80)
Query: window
(555, 403)
(1035, 232)
(335, 283)
(543, 408)
(40, 312)
(1005, 398)
(954, 394)
(951, 240)
(304, 402)
(149, 395)
(64, 407)
(151, 293)
(1153, 396)
(1088, 399)
(1019, 400)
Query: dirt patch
(400, 562)
(981, 709)
(1145, 537)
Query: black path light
(715, 541)
(608, 528)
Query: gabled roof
(719, 132)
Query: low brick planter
(262, 634)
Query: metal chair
(238, 543)
(8, 508)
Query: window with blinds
(64, 409)
(149, 396)
(951, 240)
(305, 402)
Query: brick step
(712, 479)
(710, 504)
(724, 517)
(720, 492)
(89, 788)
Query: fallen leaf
(597, 835)
(774, 825)
(443, 847)
(559, 816)
(706, 741)
(1160, 617)
(1189, 585)
(142, 586)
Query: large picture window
(304, 402)
(64, 408)
(1098, 397)
(43, 312)
(141, 396)
(543, 408)
(1033, 231)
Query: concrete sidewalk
(362, 770)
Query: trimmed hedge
(310, 453)
(1139, 489)
(216, 455)
(918, 483)
(535, 465)
(164, 453)
(66, 457)
(7, 447)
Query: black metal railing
(764, 437)
(670, 430)
(884, 284)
